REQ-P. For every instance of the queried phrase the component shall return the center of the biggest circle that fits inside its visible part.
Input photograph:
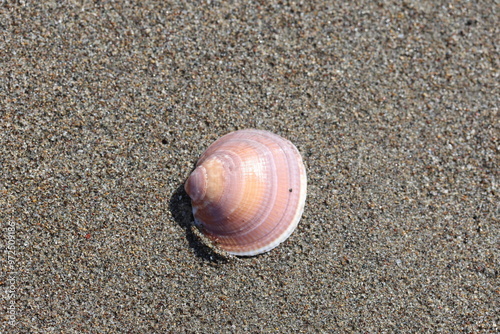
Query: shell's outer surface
(248, 191)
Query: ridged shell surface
(248, 191)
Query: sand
(105, 107)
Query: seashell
(248, 191)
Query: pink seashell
(248, 191)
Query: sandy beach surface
(105, 107)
